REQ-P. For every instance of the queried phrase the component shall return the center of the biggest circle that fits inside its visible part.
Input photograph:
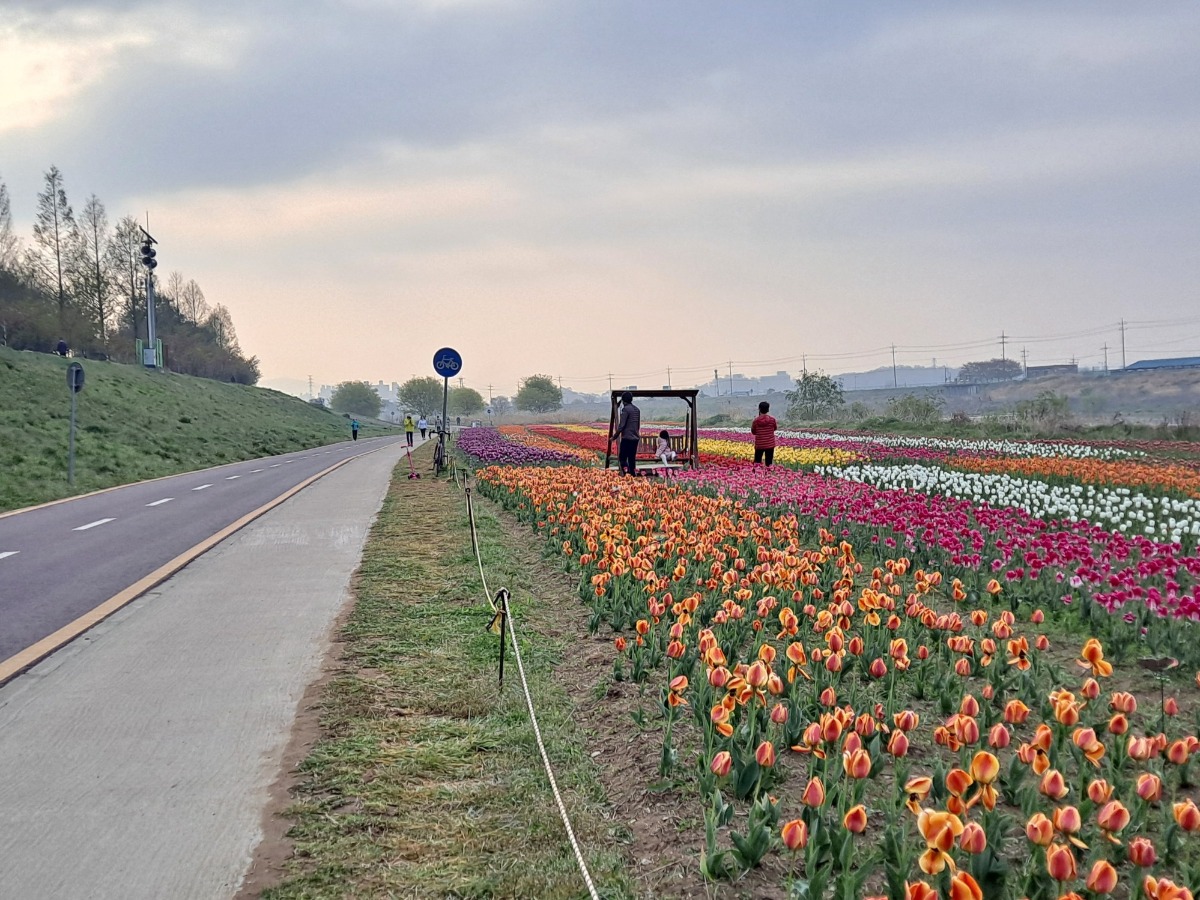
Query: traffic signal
(148, 255)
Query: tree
(95, 282)
(422, 395)
(54, 231)
(10, 244)
(501, 405)
(220, 323)
(125, 267)
(911, 408)
(191, 302)
(539, 394)
(816, 395)
(990, 370)
(357, 398)
(464, 401)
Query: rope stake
(503, 621)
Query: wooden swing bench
(684, 444)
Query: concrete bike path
(136, 761)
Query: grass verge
(427, 781)
(133, 424)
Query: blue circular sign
(447, 363)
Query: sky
(618, 189)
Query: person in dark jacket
(629, 433)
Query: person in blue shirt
(354, 428)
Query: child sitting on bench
(663, 451)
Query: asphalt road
(61, 561)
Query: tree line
(81, 280)
(423, 396)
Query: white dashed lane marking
(92, 524)
(161, 502)
(253, 471)
(4, 554)
(273, 466)
(202, 487)
(231, 477)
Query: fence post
(502, 612)
(471, 517)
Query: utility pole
(489, 395)
(1003, 340)
(731, 378)
(310, 393)
(804, 363)
(895, 379)
(610, 381)
(460, 381)
(717, 382)
(150, 353)
(1122, 343)
(668, 377)
(1024, 363)
(1105, 349)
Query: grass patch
(133, 424)
(427, 781)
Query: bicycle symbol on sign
(446, 363)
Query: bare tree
(192, 305)
(220, 322)
(173, 288)
(125, 267)
(10, 244)
(95, 280)
(54, 231)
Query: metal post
(151, 341)
(71, 443)
(502, 608)
(445, 417)
(471, 517)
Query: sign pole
(74, 385)
(71, 446)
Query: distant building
(1043, 371)
(1178, 362)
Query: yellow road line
(35, 653)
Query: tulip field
(893, 667)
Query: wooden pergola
(690, 443)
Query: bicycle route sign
(447, 363)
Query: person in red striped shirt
(763, 429)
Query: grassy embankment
(133, 424)
(427, 781)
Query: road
(59, 562)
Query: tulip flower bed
(490, 446)
(522, 435)
(878, 726)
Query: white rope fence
(501, 607)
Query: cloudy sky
(621, 187)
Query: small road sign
(75, 377)
(447, 363)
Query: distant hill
(133, 424)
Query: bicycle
(446, 362)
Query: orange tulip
(1099, 791)
(999, 737)
(1164, 890)
(721, 764)
(1102, 879)
(1123, 702)
(964, 887)
(1118, 724)
(917, 790)
(1085, 739)
(1015, 712)
(1039, 830)
(906, 720)
(1060, 862)
(1068, 821)
(1093, 658)
(795, 834)
(993, 587)
(857, 764)
(1053, 785)
(1187, 815)
(765, 754)
(779, 713)
(814, 793)
(1178, 753)
(973, 839)
(1149, 787)
(897, 744)
(855, 819)
(1113, 817)
(919, 891)
(1142, 853)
